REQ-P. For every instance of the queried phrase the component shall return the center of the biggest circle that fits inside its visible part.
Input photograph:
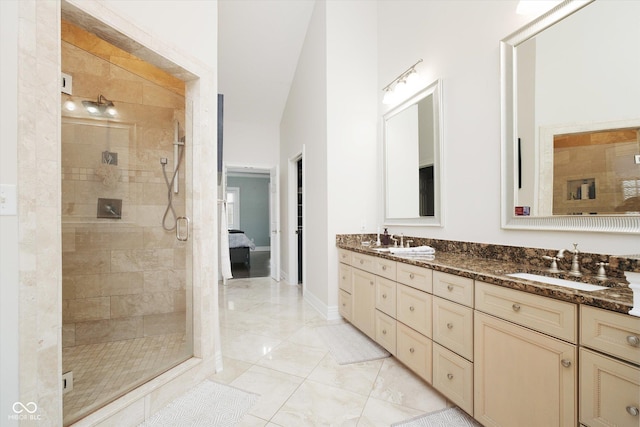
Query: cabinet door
(414, 350)
(344, 277)
(363, 302)
(522, 377)
(609, 391)
(386, 331)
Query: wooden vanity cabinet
(364, 301)
(344, 284)
(523, 377)
(609, 368)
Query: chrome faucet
(554, 261)
(395, 241)
(402, 240)
(575, 262)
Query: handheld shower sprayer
(172, 185)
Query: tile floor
(270, 348)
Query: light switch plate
(637, 159)
(8, 199)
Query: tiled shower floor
(105, 371)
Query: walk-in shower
(126, 308)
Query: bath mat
(450, 417)
(208, 404)
(348, 345)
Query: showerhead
(100, 108)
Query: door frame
(274, 201)
(292, 220)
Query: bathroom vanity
(508, 351)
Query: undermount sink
(558, 282)
(381, 249)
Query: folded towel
(423, 250)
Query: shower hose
(170, 192)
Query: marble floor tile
(293, 358)
(273, 387)
(356, 377)
(315, 404)
(397, 384)
(270, 348)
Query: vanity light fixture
(401, 86)
(100, 108)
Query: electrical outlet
(67, 382)
(637, 159)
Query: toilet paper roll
(585, 191)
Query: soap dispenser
(385, 237)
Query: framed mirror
(413, 159)
(571, 120)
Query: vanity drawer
(414, 309)
(453, 377)
(453, 327)
(414, 350)
(455, 288)
(344, 304)
(344, 277)
(416, 277)
(386, 296)
(609, 391)
(363, 262)
(385, 268)
(344, 256)
(386, 331)
(546, 315)
(613, 333)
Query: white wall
(459, 42)
(251, 144)
(304, 122)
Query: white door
(274, 221)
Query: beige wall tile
(160, 324)
(164, 280)
(143, 304)
(109, 330)
(86, 263)
(82, 310)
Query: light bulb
(400, 90)
(388, 97)
(69, 105)
(112, 111)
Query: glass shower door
(126, 297)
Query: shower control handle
(182, 222)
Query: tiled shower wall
(122, 278)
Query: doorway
(299, 219)
(251, 196)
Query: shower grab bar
(183, 237)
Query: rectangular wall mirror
(571, 119)
(413, 159)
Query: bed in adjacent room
(239, 247)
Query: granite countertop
(618, 297)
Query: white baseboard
(262, 249)
(328, 312)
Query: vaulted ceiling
(259, 42)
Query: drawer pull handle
(450, 376)
(450, 287)
(411, 350)
(632, 410)
(566, 363)
(411, 275)
(516, 307)
(450, 325)
(384, 332)
(384, 268)
(384, 296)
(371, 283)
(361, 261)
(633, 340)
(411, 308)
